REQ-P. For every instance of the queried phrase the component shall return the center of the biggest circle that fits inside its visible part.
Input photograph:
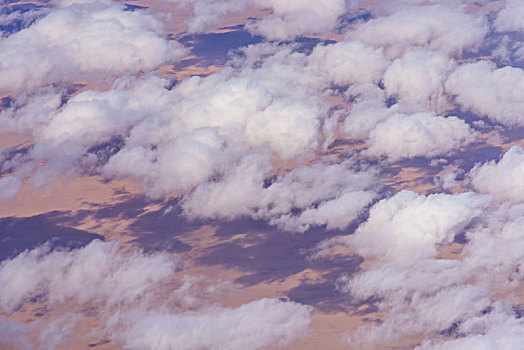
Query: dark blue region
(347, 19)
(160, 230)
(20, 234)
(492, 42)
(131, 7)
(6, 102)
(8, 155)
(306, 45)
(20, 22)
(480, 123)
(213, 48)
(105, 150)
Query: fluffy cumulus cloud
(212, 138)
(99, 272)
(290, 19)
(368, 110)
(349, 62)
(80, 40)
(215, 123)
(181, 136)
(451, 303)
(421, 134)
(331, 195)
(440, 27)
(502, 179)
(256, 325)
(121, 286)
(417, 79)
(30, 111)
(409, 226)
(510, 17)
(286, 19)
(489, 91)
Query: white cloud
(186, 135)
(408, 226)
(417, 79)
(30, 111)
(290, 19)
(78, 41)
(368, 110)
(510, 17)
(433, 298)
(138, 301)
(349, 62)
(489, 91)
(502, 179)
(331, 194)
(420, 134)
(448, 181)
(100, 272)
(436, 27)
(256, 325)
(285, 21)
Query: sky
(248, 174)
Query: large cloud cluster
(409, 226)
(419, 134)
(489, 91)
(440, 27)
(213, 137)
(81, 40)
(256, 325)
(286, 19)
(503, 179)
(121, 286)
(331, 195)
(455, 302)
(509, 18)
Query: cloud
(9, 188)
(99, 272)
(81, 40)
(450, 303)
(13, 18)
(292, 19)
(408, 226)
(454, 303)
(417, 79)
(435, 27)
(510, 17)
(324, 194)
(367, 112)
(502, 179)
(489, 91)
(285, 21)
(448, 181)
(138, 302)
(186, 135)
(349, 62)
(255, 325)
(420, 134)
(30, 111)
(13, 335)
